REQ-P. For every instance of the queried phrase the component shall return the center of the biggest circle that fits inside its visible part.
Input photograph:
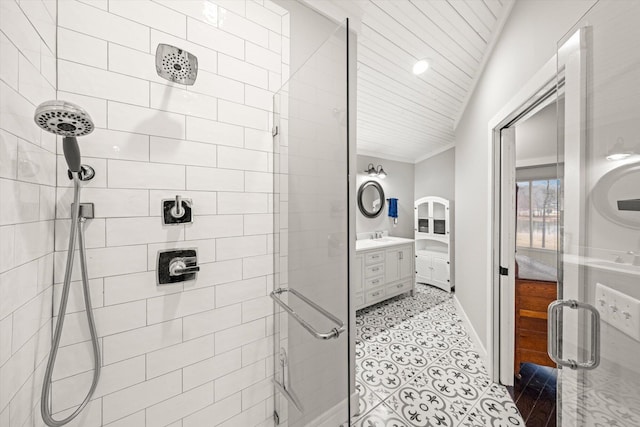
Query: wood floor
(535, 395)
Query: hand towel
(393, 209)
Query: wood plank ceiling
(402, 116)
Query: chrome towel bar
(333, 333)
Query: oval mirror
(371, 199)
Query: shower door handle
(333, 333)
(553, 339)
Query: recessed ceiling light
(420, 67)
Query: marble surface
(416, 366)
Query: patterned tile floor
(416, 366)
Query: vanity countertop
(384, 242)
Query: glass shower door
(595, 327)
(311, 243)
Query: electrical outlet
(619, 310)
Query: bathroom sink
(381, 242)
(361, 244)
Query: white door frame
(507, 247)
(502, 313)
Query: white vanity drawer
(374, 282)
(400, 287)
(373, 270)
(373, 258)
(374, 295)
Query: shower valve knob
(177, 211)
(177, 265)
(180, 266)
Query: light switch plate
(601, 302)
(619, 310)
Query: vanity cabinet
(398, 263)
(382, 273)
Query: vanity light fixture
(373, 171)
(420, 67)
(619, 151)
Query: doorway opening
(527, 199)
(534, 248)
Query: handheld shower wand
(70, 121)
(71, 152)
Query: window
(537, 214)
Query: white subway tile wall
(189, 354)
(27, 204)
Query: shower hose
(77, 225)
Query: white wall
(27, 205)
(536, 137)
(527, 42)
(435, 176)
(398, 184)
(199, 353)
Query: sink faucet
(636, 257)
(378, 235)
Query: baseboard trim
(472, 332)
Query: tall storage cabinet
(433, 242)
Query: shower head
(66, 119)
(63, 118)
(176, 65)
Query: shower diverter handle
(183, 265)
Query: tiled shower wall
(198, 354)
(27, 204)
